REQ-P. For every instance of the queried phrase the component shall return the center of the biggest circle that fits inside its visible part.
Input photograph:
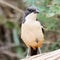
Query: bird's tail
(32, 51)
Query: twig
(9, 46)
(11, 6)
(10, 54)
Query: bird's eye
(30, 10)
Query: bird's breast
(30, 31)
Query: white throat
(31, 16)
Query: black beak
(37, 11)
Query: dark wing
(43, 30)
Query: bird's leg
(31, 51)
(28, 52)
(39, 51)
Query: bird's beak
(37, 11)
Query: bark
(54, 55)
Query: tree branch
(11, 6)
(54, 55)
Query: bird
(32, 32)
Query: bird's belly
(29, 34)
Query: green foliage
(10, 25)
(49, 23)
(56, 2)
(13, 25)
(55, 45)
(51, 47)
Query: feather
(30, 31)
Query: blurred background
(11, 12)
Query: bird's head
(31, 12)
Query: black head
(31, 9)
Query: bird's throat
(31, 16)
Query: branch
(54, 55)
(10, 54)
(11, 6)
(11, 45)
